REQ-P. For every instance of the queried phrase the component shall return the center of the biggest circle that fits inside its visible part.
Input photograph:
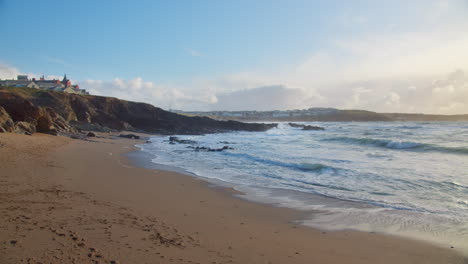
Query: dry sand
(75, 201)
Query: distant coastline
(321, 114)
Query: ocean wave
(307, 167)
(399, 145)
(382, 193)
(454, 184)
(312, 167)
(302, 185)
(409, 127)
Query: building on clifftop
(49, 85)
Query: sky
(385, 56)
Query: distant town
(64, 85)
(320, 114)
(317, 111)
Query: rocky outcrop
(30, 118)
(22, 127)
(306, 127)
(130, 136)
(309, 127)
(62, 113)
(6, 123)
(198, 148)
(173, 140)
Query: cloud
(8, 72)
(265, 98)
(169, 97)
(194, 53)
(140, 90)
(445, 94)
(58, 61)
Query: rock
(91, 134)
(296, 125)
(26, 128)
(313, 128)
(197, 148)
(44, 123)
(131, 136)
(77, 136)
(173, 140)
(305, 127)
(6, 123)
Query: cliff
(27, 110)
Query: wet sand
(73, 201)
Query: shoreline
(138, 215)
(324, 212)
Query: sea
(399, 178)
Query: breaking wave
(399, 145)
(307, 167)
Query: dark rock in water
(210, 149)
(305, 127)
(131, 136)
(226, 142)
(173, 140)
(296, 125)
(312, 128)
(91, 134)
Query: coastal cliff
(27, 110)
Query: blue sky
(159, 39)
(189, 54)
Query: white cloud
(144, 91)
(8, 72)
(265, 98)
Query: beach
(82, 201)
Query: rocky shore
(27, 110)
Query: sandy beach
(74, 201)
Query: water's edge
(324, 213)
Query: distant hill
(29, 110)
(322, 115)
